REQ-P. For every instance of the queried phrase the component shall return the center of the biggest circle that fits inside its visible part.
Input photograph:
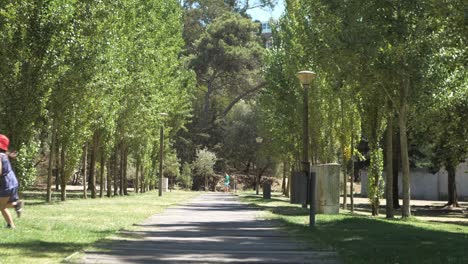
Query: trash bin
(298, 188)
(266, 190)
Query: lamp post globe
(306, 77)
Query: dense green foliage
(376, 62)
(93, 73)
(95, 76)
(203, 170)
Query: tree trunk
(109, 177)
(101, 174)
(116, 172)
(125, 163)
(345, 184)
(283, 184)
(452, 186)
(142, 184)
(92, 165)
(376, 200)
(57, 164)
(257, 189)
(206, 106)
(402, 118)
(63, 181)
(389, 168)
(351, 188)
(345, 180)
(396, 170)
(85, 159)
(50, 168)
(137, 176)
(121, 170)
(288, 185)
(344, 160)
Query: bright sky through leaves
(265, 14)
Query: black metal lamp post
(306, 78)
(161, 154)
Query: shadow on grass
(36, 197)
(423, 211)
(360, 239)
(43, 249)
(260, 199)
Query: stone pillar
(327, 188)
(165, 185)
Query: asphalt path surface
(212, 228)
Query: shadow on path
(213, 228)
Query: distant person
(8, 184)
(226, 182)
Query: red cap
(4, 142)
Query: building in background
(266, 34)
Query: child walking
(8, 184)
(226, 182)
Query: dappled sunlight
(358, 236)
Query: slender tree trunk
(402, 117)
(396, 170)
(452, 186)
(288, 185)
(137, 176)
(351, 187)
(50, 168)
(256, 181)
(101, 174)
(85, 169)
(92, 165)
(109, 177)
(57, 164)
(376, 199)
(389, 168)
(345, 184)
(142, 184)
(121, 171)
(344, 160)
(63, 180)
(125, 177)
(116, 172)
(283, 184)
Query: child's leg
(10, 204)
(6, 214)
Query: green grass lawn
(360, 239)
(47, 233)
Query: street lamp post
(306, 78)
(161, 153)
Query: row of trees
(85, 81)
(378, 64)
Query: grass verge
(361, 239)
(47, 233)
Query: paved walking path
(212, 228)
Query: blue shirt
(8, 179)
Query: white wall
(427, 186)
